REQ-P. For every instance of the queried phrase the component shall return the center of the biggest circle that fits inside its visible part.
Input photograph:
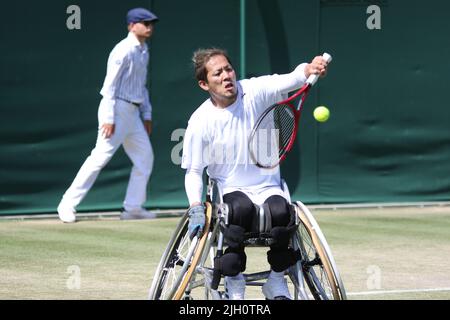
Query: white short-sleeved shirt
(217, 139)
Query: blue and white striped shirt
(126, 77)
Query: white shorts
(258, 196)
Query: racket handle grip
(312, 79)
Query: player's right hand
(108, 130)
(317, 66)
(196, 220)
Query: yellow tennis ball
(321, 114)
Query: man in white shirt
(217, 139)
(125, 118)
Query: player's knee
(241, 209)
(244, 209)
(279, 210)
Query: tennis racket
(274, 133)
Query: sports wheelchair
(187, 270)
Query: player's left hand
(148, 126)
(196, 224)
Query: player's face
(221, 81)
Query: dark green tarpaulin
(388, 138)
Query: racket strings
(284, 122)
(273, 135)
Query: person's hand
(148, 126)
(317, 66)
(108, 130)
(196, 215)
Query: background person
(125, 118)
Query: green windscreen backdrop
(387, 140)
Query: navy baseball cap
(140, 14)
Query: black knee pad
(231, 262)
(280, 260)
(240, 209)
(234, 236)
(280, 236)
(280, 212)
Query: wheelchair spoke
(175, 267)
(313, 268)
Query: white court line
(363, 293)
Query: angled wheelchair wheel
(318, 266)
(179, 261)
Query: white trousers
(129, 132)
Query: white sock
(274, 274)
(239, 276)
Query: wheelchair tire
(179, 261)
(319, 268)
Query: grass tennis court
(389, 253)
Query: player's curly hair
(201, 58)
